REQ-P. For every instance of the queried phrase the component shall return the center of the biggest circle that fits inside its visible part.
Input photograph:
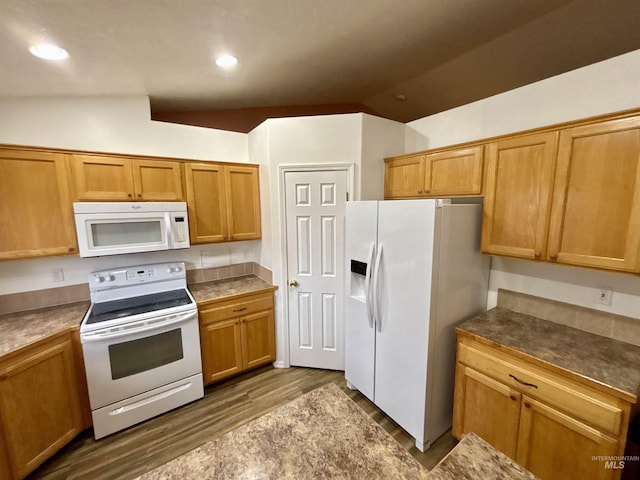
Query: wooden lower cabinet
(552, 444)
(499, 404)
(236, 335)
(41, 407)
(547, 423)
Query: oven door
(136, 357)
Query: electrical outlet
(604, 296)
(57, 274)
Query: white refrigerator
(414, 271)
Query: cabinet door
(595, 215)
(243, 202)
(157, 180)
(258, 339)
(404, 177)
(206, 202)
(39, 404)
(518, 187)
(103, 178)
(454, 172)
(35, 205)
(487, 408)
(221, 349)
(553, 445)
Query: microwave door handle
(100, 336)
(168, 230)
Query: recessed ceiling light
(49, 52)
(226, 61)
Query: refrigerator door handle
(376, 276)
(367, 283)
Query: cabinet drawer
(235, 308)
(592, 406)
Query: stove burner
(126, 307)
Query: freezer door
(403, 298)
(361, 219)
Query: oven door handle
(147, 325)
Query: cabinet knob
(513, 397)
(536, 254)
(129, 195)
(419, 191)
(553, 256)
(71, 249)
(139, 195)
(527, 404)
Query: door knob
(293, 283)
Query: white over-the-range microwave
(114, 228)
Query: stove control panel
(129, 276)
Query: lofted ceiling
(400, 59)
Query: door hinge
(347, 196)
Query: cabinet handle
(527, 404)
(553, 256)
(513, 397)
(240, 310)
(523, 383)
(536, 254)
(129, 195)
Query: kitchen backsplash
(619, 327)
(19, 302)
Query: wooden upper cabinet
(595, 214)
(454, 172)
(35, 205)
(157, 180)
(223, 202)
(448, 173)
(106, 178)
(404, 177)
(206, 202)
(518, 188)
(243, 202)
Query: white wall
(381, 138)
(115, 125)
(35, 274)
(320, 139)
(112, 124)
(604, 87)
(357, 139)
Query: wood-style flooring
(225, 406)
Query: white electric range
(141, 345)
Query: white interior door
(315, 221)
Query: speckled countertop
(217, 289)
(609, 362)
(475, 459)
(21, 329)
(322, 434)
